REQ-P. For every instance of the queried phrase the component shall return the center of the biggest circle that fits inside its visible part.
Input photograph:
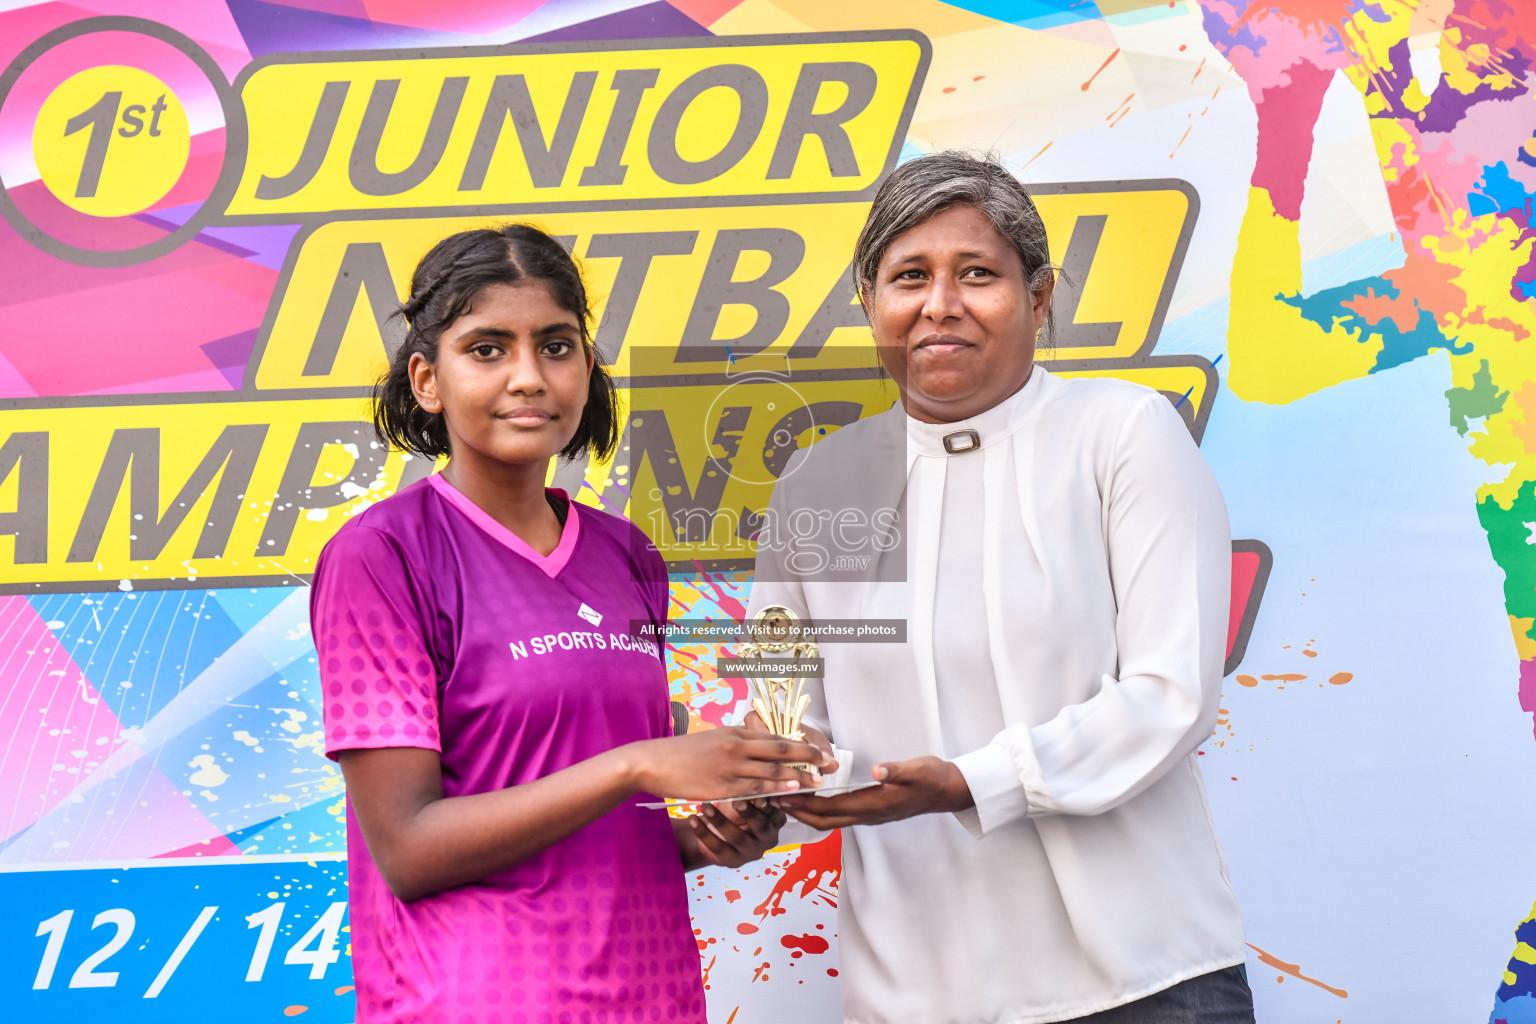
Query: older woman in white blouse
(1040, 847)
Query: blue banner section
(229, 941)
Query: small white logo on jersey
(591, 616)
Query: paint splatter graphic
(1458, 161)
(714, 597)
(1294, 971)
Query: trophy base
(809, 769)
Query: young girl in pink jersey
(494, 714)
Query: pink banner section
(1245, 573)
(57, 727)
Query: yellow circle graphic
(111, 140)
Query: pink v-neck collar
(551, 563)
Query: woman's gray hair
(920, 188)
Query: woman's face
(954, 323)
(510, 378)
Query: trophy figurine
(780, 700)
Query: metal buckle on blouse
(962, 441)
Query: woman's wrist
(956, 791)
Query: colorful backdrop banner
(1306, 222)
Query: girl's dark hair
(444, 287)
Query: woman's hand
(922, 785)
(728, 835)
(718, 763)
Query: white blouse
(1067, 608)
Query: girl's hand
(729, 835)
(922, 785)
(718, 763)
(815, 737)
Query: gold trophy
(780, 700)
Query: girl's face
(511, 376)
(953, 318)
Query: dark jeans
(1220, 997)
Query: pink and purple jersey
(437, 627)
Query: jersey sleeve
(378, 677)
